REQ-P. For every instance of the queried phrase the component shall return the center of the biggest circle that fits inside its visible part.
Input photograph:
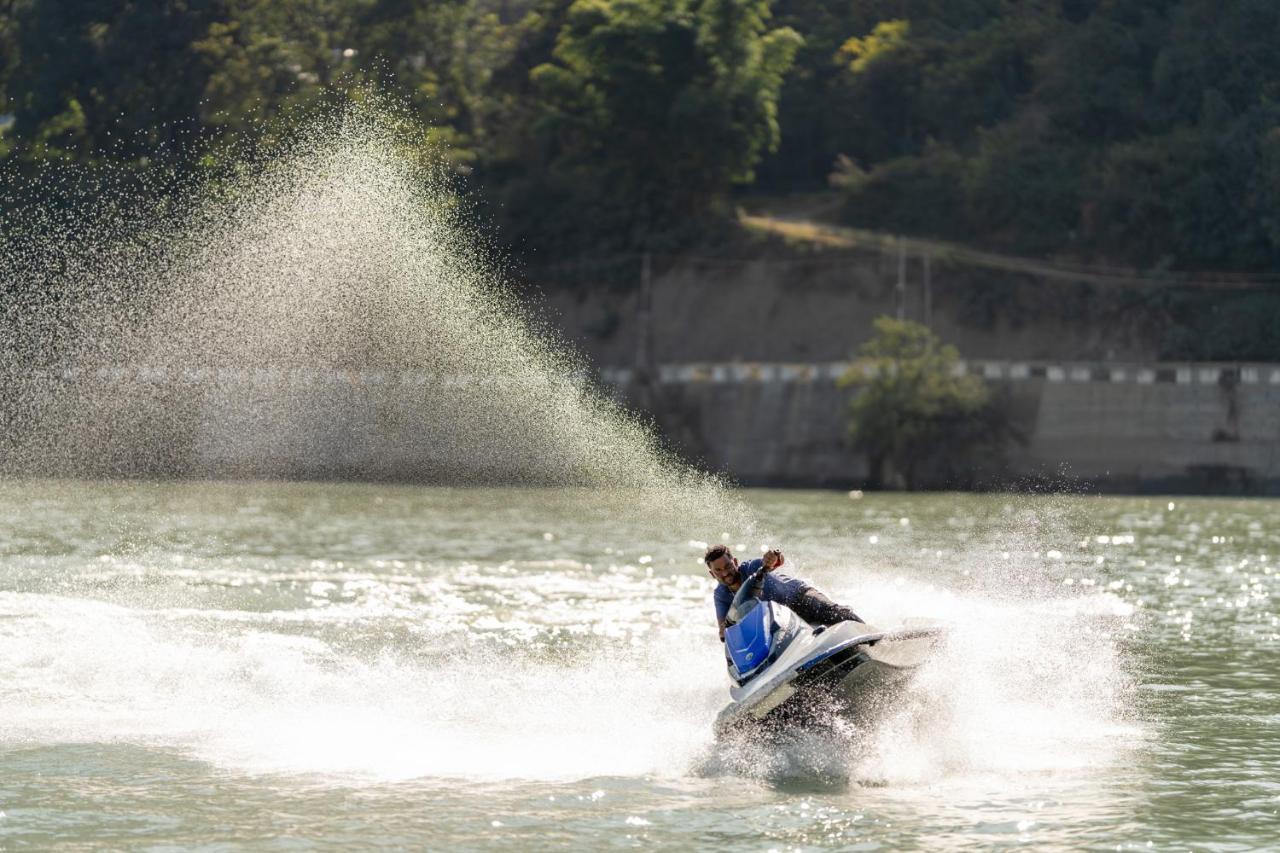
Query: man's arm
(772, 559)
(722, 600)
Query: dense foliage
(1145, 132)
(589, 123)
(919, 422)
(1140, 132)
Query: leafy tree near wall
(919, 422)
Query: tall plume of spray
(326, 311)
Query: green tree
(649, 112)
(915, 416)
(114, 79)
(1135, 132)
(877, 80)
(270, 60)
(9, 12)
(444, 56)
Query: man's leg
(816, 609)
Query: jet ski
(786, 672)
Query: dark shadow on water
(826, 749)
(816, 759)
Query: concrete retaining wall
(1116, 427)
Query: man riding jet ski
(789, 670)
(803, 599)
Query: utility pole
(928, 291)
(644, 312)
(901, 294)
(646, 375)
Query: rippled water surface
(304, 666)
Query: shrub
(919, 419)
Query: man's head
(722, 565)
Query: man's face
(724, 569)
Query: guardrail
(1179, 373)
(1014, 371)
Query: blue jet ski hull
(850, 671)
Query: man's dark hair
(715, 552)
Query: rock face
(821, 308)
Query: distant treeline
(1137, 132)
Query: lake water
(300, 666)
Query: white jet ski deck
(786, 672)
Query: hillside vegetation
(1135, 133)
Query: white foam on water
(1021, 689)
(264, 702)
(1024, 690)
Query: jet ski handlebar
(745, 598)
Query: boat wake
(1022, 689)
(1019, 689)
